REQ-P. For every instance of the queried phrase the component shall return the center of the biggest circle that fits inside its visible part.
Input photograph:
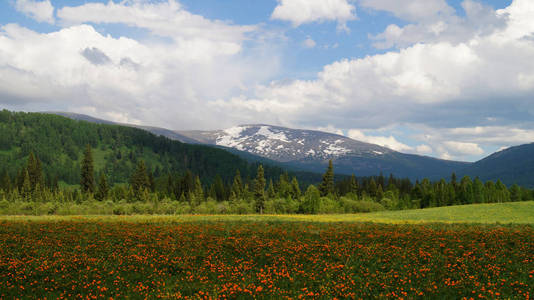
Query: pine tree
(354, 185)
(372, 188)
(259, 190)
(296, 188)
(103, 188)
(26, 190)
(139, 180)
(6, 182)
(35, 172)
(327, 185)
(270, 190)
(199, 191)
(87, 172)
(379, 192)
(237, 186)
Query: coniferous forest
(53, 165)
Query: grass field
(272, 257)
(504, 213)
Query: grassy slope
(518, 213)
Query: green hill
(512, 165)
(59, 143)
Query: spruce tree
(327, 185)
(87, 172)
(259, 190)
(199, 191)
(270, 190)
(296, 188)
(237, 186)
(139, 180)
(26, 190)
(354, 185)
(103, 188)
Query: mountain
(307, 150)
(155, 130)
(310, 150)
(59, 143)
(511, 165)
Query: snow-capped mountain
(284, 144)
(310, 150)
(307, 150)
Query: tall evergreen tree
(271, 194)
(327, 185)
(35, 172)
(199, 191)
(139, 180)
(259, 190)
(296, 188)
(87, 172)
(103, 188)
(26, 190)
(237, 185)
(354, 185)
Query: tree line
(186, 193)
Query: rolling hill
(59, 143)
(511, 165)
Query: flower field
(304, 260)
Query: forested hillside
(514, 165)
(59, 142)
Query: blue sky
(450, 79)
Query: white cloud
(330, 129)
(300, 12)
(435, 21)
(423, 149)
(465, 82)
(462, 148)
(41, 11)
(411, 10)
(309, 43)
(164, 18)
(161, 82)
(389, 142)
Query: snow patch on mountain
(266, 132)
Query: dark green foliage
(327, 185)
(103, 188)
(87, 182)
(139, 181)
(60, 143)
(512, 165)
(259, 190)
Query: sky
(452, 79)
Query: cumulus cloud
(411, 10)
(435, 20)
(459, 96)
(389, 141)
(309, 43)
(41, 11)
(96, 56)
(423, 149)
(300, 12)
(164, 18)
(161, 82)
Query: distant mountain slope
(512, 165)
(59, 143)
(155, 130)
(310, 150)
